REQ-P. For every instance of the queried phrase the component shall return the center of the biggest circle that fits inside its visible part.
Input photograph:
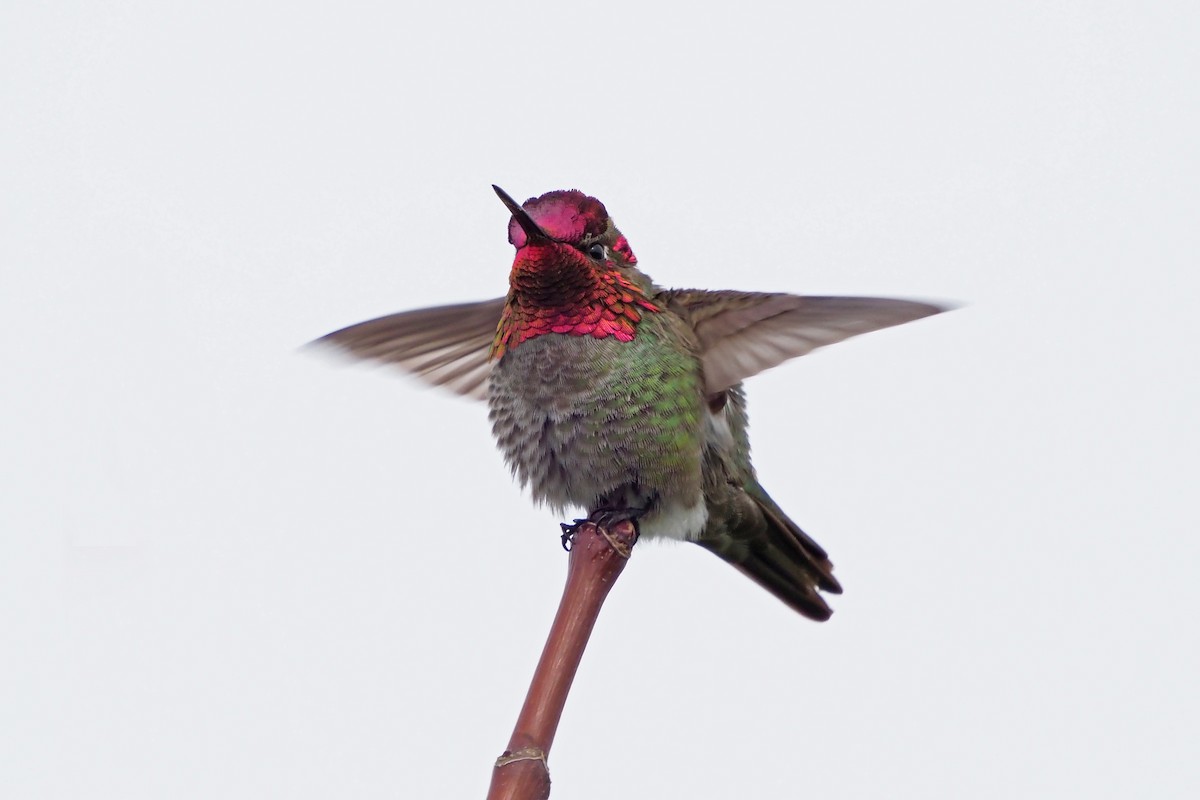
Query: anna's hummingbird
(609, 393)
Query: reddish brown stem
(596, 560)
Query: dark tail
(768, 547)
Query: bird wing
(447, 346)
(743, 333)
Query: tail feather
(772, 550)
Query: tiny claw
(568, 533)
(608, 517)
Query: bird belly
(601, 424)
(676, 520)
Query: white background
(233, 569)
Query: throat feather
(608, 304)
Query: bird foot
(568, 532)
(603, 518)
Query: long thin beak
(531, 228)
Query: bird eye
(596, 251)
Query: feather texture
(446, 346)
(743, 333)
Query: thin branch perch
(598, 556)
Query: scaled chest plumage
(587, 422)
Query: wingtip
(940, 306)
(329, 349)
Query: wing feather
(743, 333)
(446, 346)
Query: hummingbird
(610, 393)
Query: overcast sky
(233, 569)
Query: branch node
(621, 549)
(524, 754)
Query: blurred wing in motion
(446, 346)
(743, 333)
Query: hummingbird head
(565, 228)
(573, 273)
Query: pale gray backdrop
(229, 569)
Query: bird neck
(569, 299)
